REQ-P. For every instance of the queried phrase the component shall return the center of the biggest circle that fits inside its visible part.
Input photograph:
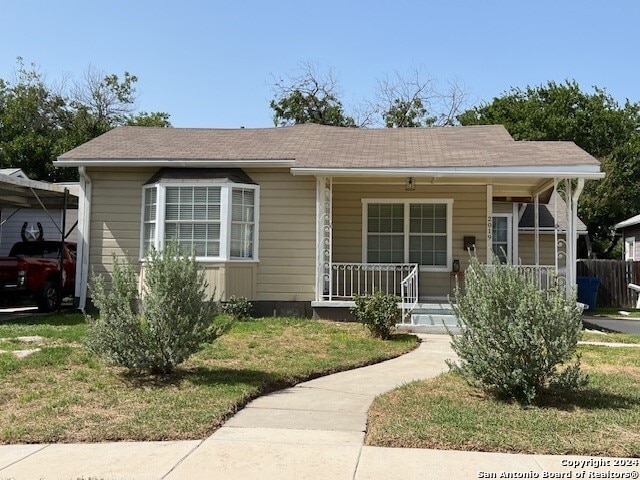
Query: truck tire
(49, 299)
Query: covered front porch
(411, 235)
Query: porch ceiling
(507, 187)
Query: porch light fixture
(409, 184)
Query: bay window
(215, 222)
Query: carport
(21, 193)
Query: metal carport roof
(19, 192)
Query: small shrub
(515, 338)
(154, 333)
(238, 307)
(379, 312)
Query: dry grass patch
(66, 394)
(446, 413)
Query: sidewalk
(314, 430)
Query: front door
(501, 237)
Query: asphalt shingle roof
(545, 215)
(318, 146)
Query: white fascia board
(628, 222)
(560, 171)
(177, 163)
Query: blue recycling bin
(588, 291)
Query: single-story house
(302, 218)
(630, 230)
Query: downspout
(84, 229)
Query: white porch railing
(350, 279)
(543, 275)
(410, 294)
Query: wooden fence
(614, 276)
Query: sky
(212, 64)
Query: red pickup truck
(32, 269)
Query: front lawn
(65, 394)
(446, 413)
(611, 312)
(611, 337)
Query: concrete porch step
(431, 317)
(435, 329)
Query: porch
(411, 237)
(347, 280)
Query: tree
(597, 123)
(149, 119)
(39, 121)
(414, 100)
(103, 101)
(308, 97)
(33, 122)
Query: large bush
(516, 339)
(161, 328)
(379, 312)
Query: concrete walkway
(314, 430)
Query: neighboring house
(12, 219)
(301, 218)
(552, 225)
(630, 230)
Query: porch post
(555, 226)
(489, 224)
(536, 229)
(324, 197)
(573, 221)
(570, 246)
(515, 223)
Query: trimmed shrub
(237, 307)
(379, 312)
(516, 339)
(160, 329)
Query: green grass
(611, 337)
(66, 394)
(615, 312)
(446, 413)
(69, 327)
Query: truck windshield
(35, 249)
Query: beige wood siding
(526, 249)
(469, 219)
(287, 250)
(115, 216)
(286, 233)
(241, 280)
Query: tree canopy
(597, 123)
(40, 121)
(311, 95)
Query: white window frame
(509, 218)
(226, 192)
(630, 248)
(407, 202)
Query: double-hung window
(215, 222)
(408, 231)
